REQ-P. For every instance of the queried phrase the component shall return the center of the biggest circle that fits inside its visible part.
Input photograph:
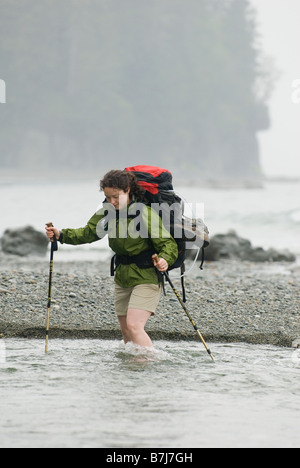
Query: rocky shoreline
(230, 301)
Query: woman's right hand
(51, 232)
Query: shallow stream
(99, 393)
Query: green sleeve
(92, 232)
(162, 241)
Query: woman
(137, 285)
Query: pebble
(229, 301)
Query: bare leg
(135, 323)
(125, 332)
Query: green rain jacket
(134, 230)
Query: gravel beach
(230, 301)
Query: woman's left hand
(160, 263)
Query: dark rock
(231, 246)
(271, 255)
(296, 343)
(24, 241)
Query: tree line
(164, 82)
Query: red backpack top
(152, 179)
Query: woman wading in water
(137, 286)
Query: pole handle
(155, 257)
(54, 246)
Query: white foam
(147, 353)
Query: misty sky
(279, 26)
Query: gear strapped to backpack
(158, 192)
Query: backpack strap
(202, 258)
(182, 282)
(112, 265)
(142, 260)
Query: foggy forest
(112, 83)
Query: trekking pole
(155, 257)
(53, 249)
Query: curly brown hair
(122, 180)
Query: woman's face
(118, 198)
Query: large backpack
(158, 192)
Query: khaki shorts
(143, 297)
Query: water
(268, 217)
(97, 393)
